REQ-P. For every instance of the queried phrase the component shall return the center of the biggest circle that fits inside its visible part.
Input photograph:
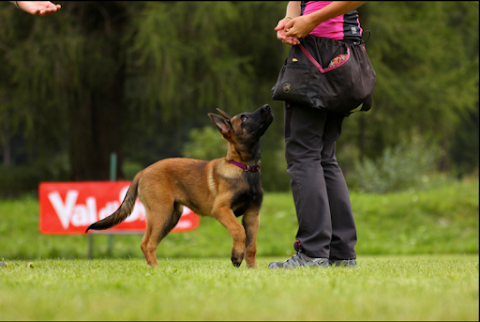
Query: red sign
(70, 207)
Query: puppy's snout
(265, 110)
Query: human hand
(38, 8)
(299, 27)
(280, 28)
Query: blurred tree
(97, 100)
(10, 115)
(425, 55)
(465, 144)
(189, 58)
(136, 77)
(72, 67)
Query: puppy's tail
(122, 212)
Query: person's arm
(38, 8)
(293, 11)
(301, 26)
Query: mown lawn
(417, 255)
(428, 287)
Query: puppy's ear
(223, 125)
(224, 114)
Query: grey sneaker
(343, 262)
(300, 259)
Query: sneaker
(343, 262)
(300, 259)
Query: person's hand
(280, 28)
(299, 27)
(38, 8)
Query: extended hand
(38, 8)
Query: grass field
(428, 287)
(443, 220)
(196, 281)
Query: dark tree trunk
(96, 113)
(95, 132)
(5, 145)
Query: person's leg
(326, 226)
(344, 236)
(304, 127)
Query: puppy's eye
(243, 118)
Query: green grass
(428, 287)
(196, 281)
(443, 220)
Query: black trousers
(326, 227)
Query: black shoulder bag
(327, 73)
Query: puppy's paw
(237, 260)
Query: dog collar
(245, 167)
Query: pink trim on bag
(318, 65)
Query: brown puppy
(224, 188)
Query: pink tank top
(346, 26)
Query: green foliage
(205, 144)
(183, 59)
(38, 57)
(436, 221)
(380, 288)
(20, 180)
(188, 58)
(274, 167)
(409, 165)
(425, 55)
(464, 153)
(130, 169)
(198, 61)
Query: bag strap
(310, 57)
(318, 65)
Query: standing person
(326, 228)
(37, 8)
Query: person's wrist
(311, 22)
